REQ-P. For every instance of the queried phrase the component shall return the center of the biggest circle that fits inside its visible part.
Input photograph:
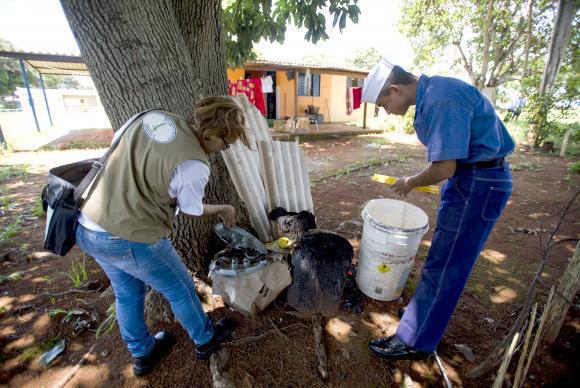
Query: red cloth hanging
(356, 97)
(353, 99)
(258, 95)
(252, 88)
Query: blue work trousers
(471, 203)
(131, 266)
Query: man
(466, 145)
(515, 109)
(160, 165)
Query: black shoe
(222, 331)
(391, 348)
(163, 344)
(401, 312)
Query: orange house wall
(287, 89)
(332, 97)
(235, 74)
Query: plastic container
(392, 232)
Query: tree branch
(466, 63)
(529, 38)
(508, 76)
(509, 51)
(487, 34)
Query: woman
(159, 167)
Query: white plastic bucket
(392, 233)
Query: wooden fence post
(568, 286)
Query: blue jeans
(131, 266)
(471, 203)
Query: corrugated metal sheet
(244, 167)
(285, 176)
(255, 122)
(271, 174)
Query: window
(309, 90)
(354, 82)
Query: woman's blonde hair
(219, 116)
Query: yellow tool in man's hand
(390, 180)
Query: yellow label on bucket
(383, 268)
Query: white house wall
(62, 118)
(338, 106)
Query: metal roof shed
(43, 63)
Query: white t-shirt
(187, 185)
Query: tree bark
(201, 27)
(491, 93)
(163, 54)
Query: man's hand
(432, 175)
(228, 216)
(402, 186)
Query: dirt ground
(276, 349)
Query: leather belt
(494, 163)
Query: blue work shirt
(456, 122)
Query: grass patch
(4, 200)
(38, 349)
(68, 314)
(108, 323)
(77, 273)
(575, 167)
(13, 277)
(7, 172)
(77, 145)
(339, 173)
(376, 140)
(525, 166)
(11, 230)
(38, 210)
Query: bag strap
(99, 164)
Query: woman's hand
(228, 215)
(226, 212)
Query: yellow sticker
(383, 268)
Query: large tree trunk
(491, 93)
(159, 54)
(201, 27)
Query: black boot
(391, 348)
(222, 331)
(163, 344)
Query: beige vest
(131, 199)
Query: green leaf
(336, 16)
(246, 22)
(342, 23)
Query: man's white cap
(375, 81)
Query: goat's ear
(310, 220)
(276, 213)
